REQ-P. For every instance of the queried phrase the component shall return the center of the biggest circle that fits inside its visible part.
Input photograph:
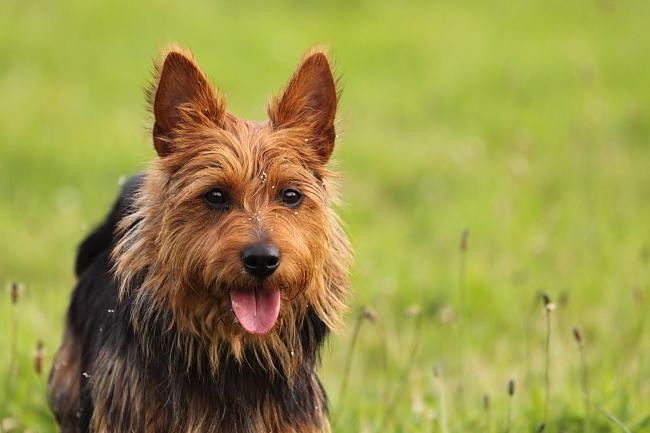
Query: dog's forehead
(263, 145)
(247, 148)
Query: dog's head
(232, 231)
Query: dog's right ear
(182, 95)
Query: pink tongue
(257, 310)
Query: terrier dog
(204, 297)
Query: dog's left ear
(309, 101)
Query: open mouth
(257, 309)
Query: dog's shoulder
(101, 238)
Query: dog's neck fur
(153, 368)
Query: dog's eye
(290, 197)
(216, 199)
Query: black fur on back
(101, 239)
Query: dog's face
(233, 223)
(248, 215)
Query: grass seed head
(511, 387)
(577, 336)
(14, 292)
(38, 357)
(463, 240)
(546, 300)
(368, 314)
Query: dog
(204, 297)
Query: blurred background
(492, 152)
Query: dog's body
(204, 297)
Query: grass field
(526, 123)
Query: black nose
(260, 260)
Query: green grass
(525, 122)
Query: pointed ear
(309, 101)
(182, 94)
